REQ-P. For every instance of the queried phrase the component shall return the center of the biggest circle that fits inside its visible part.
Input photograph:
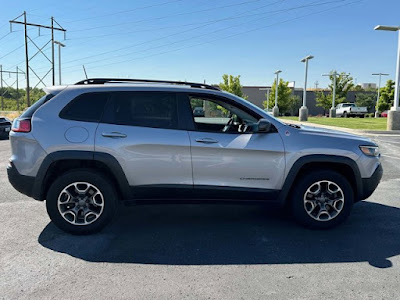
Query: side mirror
(263, 126)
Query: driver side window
(217, 116)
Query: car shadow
(232, 234)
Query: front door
(225, 151)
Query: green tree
(11, 95)
(232, 85)
(386, 96)
(367, 100)
(358, 88)
(294, 104)
(284, 93)
(344, 83)
(323, 100)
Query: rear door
(141, 130)
(225, 151)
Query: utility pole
(303, 111)
(28, 68)
(379, 91)
(17, 90)
(2, 81)
(332, 111)
(28, 98)
(316, 85)
(275, 110)
(268, 91)
(393, 119)
(59, 59)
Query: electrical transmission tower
(2, 81)
(39, 50)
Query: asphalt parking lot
(204, 252)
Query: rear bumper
(23, 184)
(369, 184)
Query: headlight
(370, 150)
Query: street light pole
(393, 120)
(275, 110)
(268, 90)
(303, 111)
(332, 111)
(379, 91)
(59, 59)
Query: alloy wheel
(323, 200)
(80, 203)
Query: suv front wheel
(81, 201)
(322, 199)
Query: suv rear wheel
(81, 201)
(322, 199)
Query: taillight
(23, 125)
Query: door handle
(114, 134)
(207, 141)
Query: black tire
(93, 177)
(345, 115)
(297, 199)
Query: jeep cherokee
(86, 147)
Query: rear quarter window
(31, 110)
(86, 107)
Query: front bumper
(22, 183)
(369, 184)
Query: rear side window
(87, 107)
(31, 110)
(144, 109)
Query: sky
(197, 40)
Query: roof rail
(119, 80)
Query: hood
(309, 130)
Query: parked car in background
(384, 114)
(347, 110)
(87, 147)
(5, 127)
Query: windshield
(349, 105)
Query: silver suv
(87, 147)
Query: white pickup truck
(350, 110)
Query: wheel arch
(343, 165)
(59, 162)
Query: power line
(167, 16)
(230, 36)
(177, 33)
(123, 11)
(197, 36)
(4, 36)
(12, 51)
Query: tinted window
(31, 110)
(87, 107)
(145, 109)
